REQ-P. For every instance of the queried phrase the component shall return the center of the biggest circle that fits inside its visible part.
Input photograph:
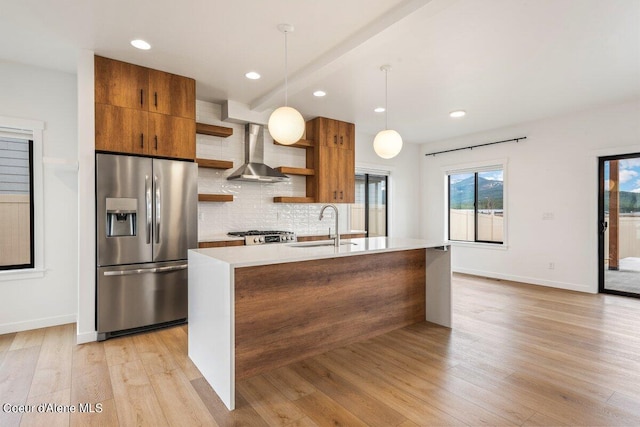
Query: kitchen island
(256, 308)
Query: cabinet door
(122, 130)
(325, 132)
(346, 135)
(347, 183)
(336, 176)
(171, 94)
(332, 133)
(120, 84)
(173, 137)
(327, 172)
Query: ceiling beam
(334, 58)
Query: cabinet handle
(341, 141)
(335, 195)
(335, 139)
(156, 140)
(141, 97)
(142, 140)
(155, 99)
(341, 194)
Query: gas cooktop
(259, 237)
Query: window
(476, 205)
(16, 203)
(21, 171)
(369, 212)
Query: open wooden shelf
(214, 164)
(205, 129)
(303, 143)
(215, 197)
(293, 200)
(295, 171)
(306, 172)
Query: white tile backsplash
(253, 207)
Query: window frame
(31, 130)
(31, 262)
(475, 168)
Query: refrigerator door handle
(171, 268)
(147, 195)
(145, 270)
(158, 204)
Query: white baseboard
(85, 337)
(527, 280)
(27, 325)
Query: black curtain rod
(471, 147)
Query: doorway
(619, 224)
(369, 212)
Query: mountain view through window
(476, 206)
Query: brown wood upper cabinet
(171, 94)
(170, 136)
(334, 133)
(144, 111)
(122, 130)
(333, 160)
(121, 84)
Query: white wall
(253, 206)
(405, 183)
(553, 171)
(34, 93)
(86, 328)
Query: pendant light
(286, 124)
(387, 143)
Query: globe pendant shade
(286, 125)
(387, 143)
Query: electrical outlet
(547, 216)
(201, 216)
(552, 265)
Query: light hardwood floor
(517, 355)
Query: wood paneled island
(256, 308)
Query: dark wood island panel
(289, 312)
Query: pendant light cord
(386, 95)
(286, 71)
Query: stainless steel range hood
(254, 169)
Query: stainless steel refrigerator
(146, 220)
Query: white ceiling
(503, 61)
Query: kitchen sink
(318, 244)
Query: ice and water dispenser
(121, 216)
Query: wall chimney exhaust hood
(254, 169)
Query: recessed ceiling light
(140, 44)
(457, 113)
(252, 75)
(379, 110)
(319, 93)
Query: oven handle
(145, 270)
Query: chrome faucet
(336, 240)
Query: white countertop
(245, 256)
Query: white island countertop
(247, 256)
